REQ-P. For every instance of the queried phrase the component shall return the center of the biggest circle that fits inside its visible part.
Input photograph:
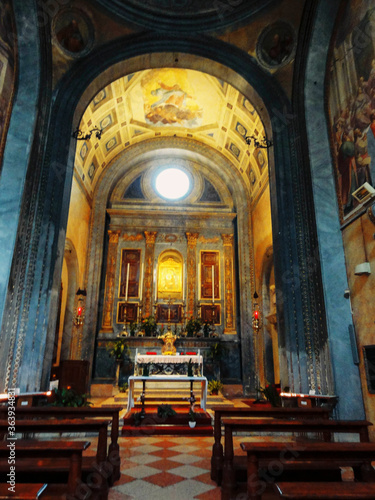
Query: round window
(172, 183)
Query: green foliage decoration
(215, 386)
(70, 397)
(193, 327)
(118, 349)
(165, 411)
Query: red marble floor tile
(214, 494)
(164, 479)
(165, 464)
(164, 443)
(124, 479)
(203, 464)
(205, 478)
(165, 453)
(202, 453)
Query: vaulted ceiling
(169, 102)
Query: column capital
(192, 238)
(113, 236)
(227, 239)
(150, 237)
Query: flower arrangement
(193, 327)
(118, 349)
(149, 325)
(271, 393)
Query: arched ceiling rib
(165, 103)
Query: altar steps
(151, 424)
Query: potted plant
(118, 350)
(207, 328)
(124, 387)
(165, 411)
(216, 353)
(192, 418)
(69, 397)
(271, 394)
(215, 386)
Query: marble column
(149, 268)
(107, 325)
(229, 326)
(191, 272)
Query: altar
(166, 378)
(160, 364)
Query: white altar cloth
(160, 358)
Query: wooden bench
(46, 456)
(48, 426)
(307, 454)
(81, 412)
(231, 411)
(325, 426)
(326, 491)
(26, 491)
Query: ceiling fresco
(171, 102)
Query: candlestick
(213, 283)
(127, 282)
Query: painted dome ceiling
(169, 102)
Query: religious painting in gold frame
(170, 275)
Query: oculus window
(172, 184)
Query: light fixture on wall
(257, 320)
(80, 311)
(80, 136)
(262, 144)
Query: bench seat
(326, 491)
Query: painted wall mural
(7, 68)
(169, 99)
(352, 102)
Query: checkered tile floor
(165, 468)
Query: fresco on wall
(352, 102)
(169, 99)
(7, 69)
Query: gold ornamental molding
(228, 283)
(132, 237)
(192, 239)
(113, 237)
(147, 281)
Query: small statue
(169, 339)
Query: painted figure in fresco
(362, 157)
(361, 110)
(70, 37)
(347, 171)
(281, 48)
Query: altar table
(168, 364)
(167, 378)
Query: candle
(141, 285)
(127, 282)
(213, 283)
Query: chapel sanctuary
(187, 241)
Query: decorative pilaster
(191, 272)
(110, 281)
(228, 284)
(149, 267)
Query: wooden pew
(26, 491)
(231, 411)
(328, 427)
(48, 426)
(326, 491)
(307, 454)
(45, 456)
(81, 412)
